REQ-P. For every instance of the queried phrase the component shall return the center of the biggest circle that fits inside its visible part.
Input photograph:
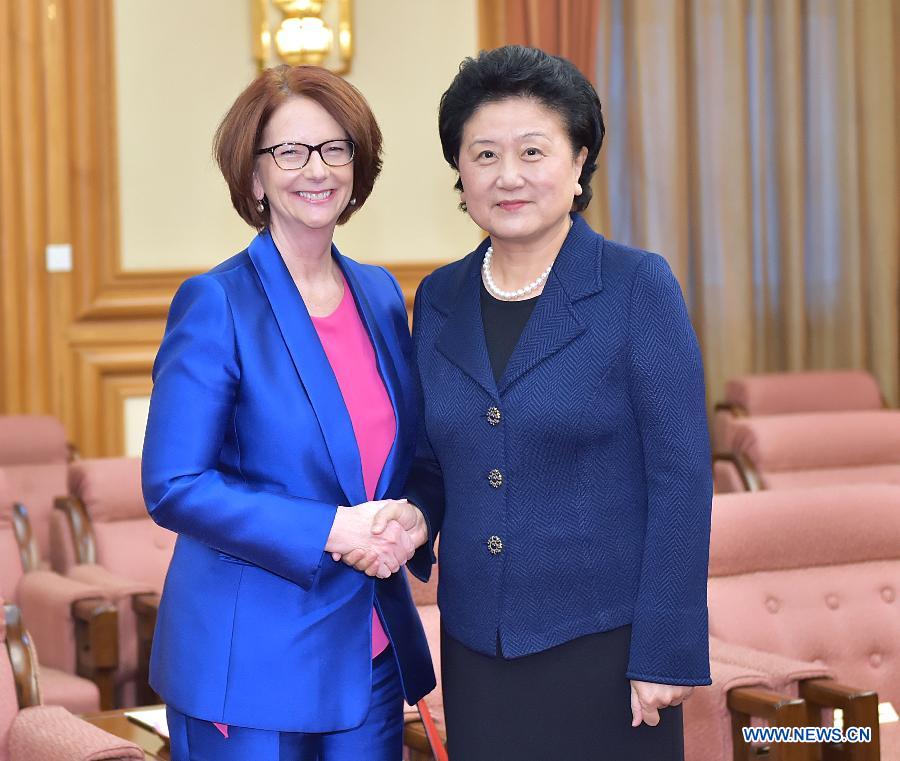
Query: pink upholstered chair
(784, 394)
(814, 575)
(793, 393)
(30, 731)
(815, 449)
(749, 687)
(72, 622)
(109, 540)
(34, 455)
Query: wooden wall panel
(73, 344)
(23, 223)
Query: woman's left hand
(647, 698)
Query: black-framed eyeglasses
(296, 155)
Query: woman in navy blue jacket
(563, 453)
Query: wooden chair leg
(746, 703)
(97, 646)
(860, 709)
(145, 607)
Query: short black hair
(516, 71)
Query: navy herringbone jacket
(581, 501)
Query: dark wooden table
(116, 723)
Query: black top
(503, 323)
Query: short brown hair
(237, 138)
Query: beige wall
(412, 215)
(135, 421)
(179, 66)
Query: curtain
(753, 143)
(562, 27)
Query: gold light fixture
(315, 32)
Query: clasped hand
(377, 537)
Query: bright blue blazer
(249, 450)
(604, 507)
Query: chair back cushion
(32, 439)
(127, 541)
(819, 441)
(813, 575)
(787, 393)
(34, 454)
(135, 548)
(109, 487)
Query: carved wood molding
(106, 375)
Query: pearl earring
(353, 202)
(260, 206)
(578, 189)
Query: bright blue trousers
(378, 738)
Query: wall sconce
(318, 32)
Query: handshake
(377, 537)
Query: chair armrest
(782, 674)
(21, 656)
(860, 709)
(51, 733)
(82, 535)
(47, 601)
(746, 470)
(28, 548)
(733, 408)
(746, 703)
(74, 627)
(112, 584)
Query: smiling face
(312, 197)
(519, 170)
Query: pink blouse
(352, 359)
(349, 350)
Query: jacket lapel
(388, 369)
(312, 365)
(461, 339)
(554, 322)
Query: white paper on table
(153, 719)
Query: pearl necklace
(508, 295)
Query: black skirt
(568, 703)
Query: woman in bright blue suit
(282, 420)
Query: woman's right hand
(353, 535)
